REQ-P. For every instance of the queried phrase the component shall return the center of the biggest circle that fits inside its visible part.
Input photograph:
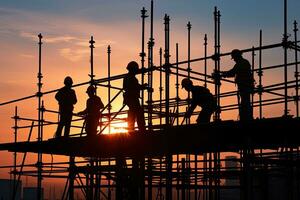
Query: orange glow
(120, 128)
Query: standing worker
(92, 111)
(131, 96)
(66, 98)
(202, 97)
(245, 83)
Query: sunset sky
(67, 25)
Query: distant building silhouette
(7, 189)
(30, 193)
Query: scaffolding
(173, 159)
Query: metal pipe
(205, 60)
(260, 74)
(252, 69)
(16, 117)
(177, 86)
(160, 87)
(143, 54)
(92, 42)
(109, 87)
(39, 94)
(167, 68)
(285, 40)
(150, 66)
(296, 70)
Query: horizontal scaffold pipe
(265, 102)
(121, 76)
(228, 53)
(276, 66)
(201, 74)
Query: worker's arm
(189, 113)
(74, 98)
(58, 96)
(84, 112)
(101, 105)
(229, 73)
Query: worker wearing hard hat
(66, 98)
(92, 111)
(245, 83)
(131, 97)
(202, 97)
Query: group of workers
(201, 96)
(66, 98)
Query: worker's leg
(131, 118)
(60, 125)
(140, 118)
(204, 116)
(92, 123)
(246, 110)
(68, 119)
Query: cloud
(74, 55)
(27, 55)
(101, 43)
(50, 39)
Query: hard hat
(186, 82)
(91, 89)
(133, 66)
(68, 81)
(236, 53)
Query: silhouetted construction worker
(245, 83)
(66, 98)
(131, 96)
(202, 97)
(92, 111)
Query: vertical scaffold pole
(150, 66)
(16, 117)
(143, 54)
(260, 75)
(39, 95)
(109, 87)
(285, 40)
(91, 75)
(252, 68)
(189, 26)
(167, 68)
(217, 63)
(296, 69)
(92, 82)
(160, 87)
(167, 95)
(71, 177)
(205, 60)
(177, 86)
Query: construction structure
(174, 159)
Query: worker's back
(131, 87)
(243, 76)
(66, 98)
(201, 96)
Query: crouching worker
(202, 97)
(92, 111)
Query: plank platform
(224, 136)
